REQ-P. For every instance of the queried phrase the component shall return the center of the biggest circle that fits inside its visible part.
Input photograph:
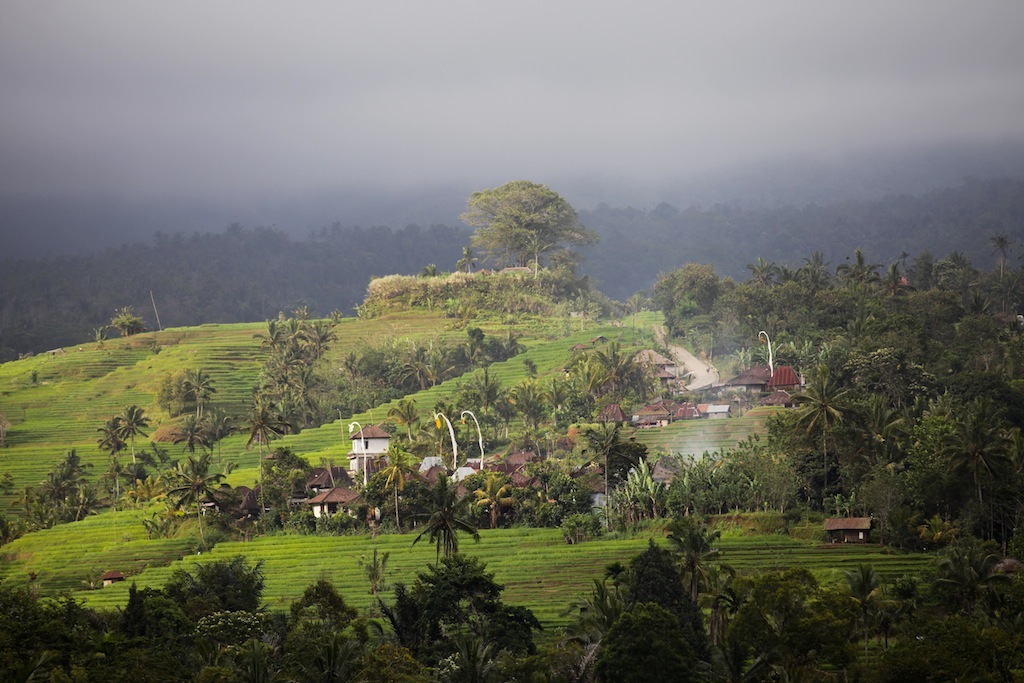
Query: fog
(188, 115)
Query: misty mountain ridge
(243, 274)
(41, 226)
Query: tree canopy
(521, 221)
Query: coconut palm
(1001, 245)
(604, 444)
(465, 264)
(692, 542)
(866, 592)
(404, 412)
(199, 386)
(192, 483)
(966, 574)
(858, 271)
(110, 436)
(132, 421)
(447, 517)
(316, 338)
(400, 465)
(763, 272)
(979, 443)
(822, 406)
(219, 426)
(495, 494)
(528, 398)
(192, 433)
(814, 273)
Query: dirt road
(702, 375)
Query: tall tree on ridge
(522, 221)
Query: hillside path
(703, 375)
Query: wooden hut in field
(848, 529)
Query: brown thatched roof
(323, 477)
(340, 495)
(848, 524)
(612, 413)
(757, 375)
(371, 432)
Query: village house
(324, 478)
(657, 414)
(333, 500)
(848, 529)
(752, 380)
(369, 445)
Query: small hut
(111, 577)
(848, 529)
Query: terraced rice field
(549, 355)
(62, 558)
(694, 437)
(56, 402)
(538, 569)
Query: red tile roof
(785, 376)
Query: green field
(56, 402)
(694, 437)
(538, 569)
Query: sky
(241, 100)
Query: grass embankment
(694, 437)
(538, 569)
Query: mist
(120, 119)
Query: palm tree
(859, 271)
(446, 518)
(979, 442)
(603, 444)
(400, 465)
(132, 421)
(264, 426)
(763, 272)
(1001, 244)
(814, 273)
(192, 483)
(691, 541)
(316, 338)
(821, 408)
(865, 590)
(528, 397)
(110, 436)
(200, 387)
(465, 263)
(495, 494)
(192, 433)
(219, 426)
(404, 412)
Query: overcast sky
(216, 99)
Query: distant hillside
(637, 245)
(248, 275)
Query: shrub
(581, 527)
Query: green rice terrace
(539, 570)
(56, 401)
